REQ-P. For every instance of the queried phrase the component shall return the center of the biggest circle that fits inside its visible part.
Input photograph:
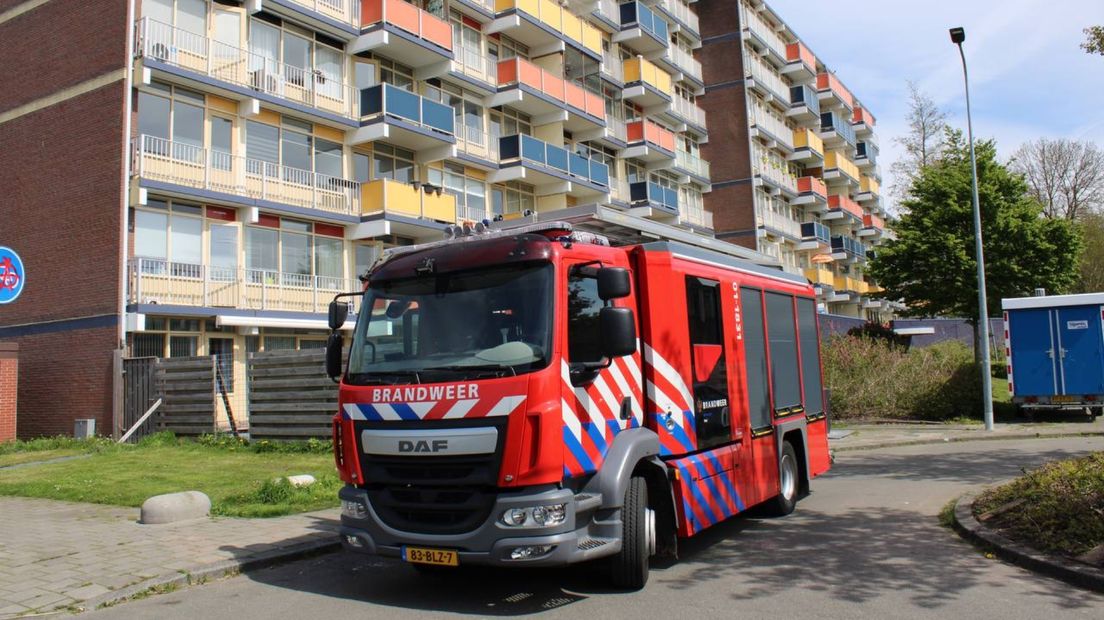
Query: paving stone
(86, 592)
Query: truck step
(585, 502)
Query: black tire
(788, 483)
(1097, 412)
(629, 568)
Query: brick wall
(9, 383)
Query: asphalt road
(866, 543)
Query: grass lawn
(239, 478)
(18, 458)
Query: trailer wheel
(1097, 412)
(629, 568)
(784, 503)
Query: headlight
(535, 516)
(353, 509)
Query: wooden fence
(290, 396)
(139, 393)
(188, 391)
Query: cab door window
(708, 362)
(584, 338)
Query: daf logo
(437, 445)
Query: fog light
(515, 516)
(530, 551)
(353, 509)
(353, 541)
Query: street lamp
(958, 35)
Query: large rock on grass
(173, 507)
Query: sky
(1028, 76)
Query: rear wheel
(784, 503)
(629, 568)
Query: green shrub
(872, 378)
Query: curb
(921, 442)
(217, 570)
(1070, 571)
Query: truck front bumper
(585, 534)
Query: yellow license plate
(439, 557)
(1063, 399)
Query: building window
(396, 74)
(291, 146)
(470, 192)
(507, 122)
(168, 239)
(512, 197)
(294, 253)
(467, 110)
(171, 115)
(389, 162)
(292, 57)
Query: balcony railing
(762, 118)
(194, 166)
(173, 46)
(654, 193)
(812, 185)
(820, 275)
(394, 101)
(873, 221)
(619, 190)
(808, 139)
(520, 71)
(868, 184)
(155, 280)
(618, 127)
(558, 19)
(651, 133)
(828, 82)
(768, 165)
(636, 14)
(778, 222)
(408, 17)
(530, 150)
(612, 66)
(640, 70)
(802, 95)
(477, 143)
(692, 163)
(341, 10)
(685, 61)
(759, 27)
(849, 245)
(847, 283)
(862, 117)
(689, 110)
(412, 200)
(833, 121)
(697, 217)
(837, 202)
(815, 230)
(681, 11)
(866, 150)
(765, 75)
(797, 52)
(475, 64)
(834, 160)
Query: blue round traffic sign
(12, 277)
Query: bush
(872, 378)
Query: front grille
(433, 494)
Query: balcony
(832, 93)
(866, 155)
(808, 148)
(838, 169)
(862, 121)
(869, 189)
(646, 84)
(820, 276)
(873, 226)
(849, 285)
(475, 65)
(811, 193)
(178, 55)
(804, 104)
(343, 11)
(414, 202)
(641, 29)
(771, 170)
(685, 20)
(649, 141)
(835, 130)
(775, 225)
(762, 36)
(526, 87)
(552, 169)
(165, 283)
(401, 31)
(763, 79)
(653, 195)
(686, 111)
(472, 142)
(612, 69)
(800, 64)
(696, 218)
(404, 119)
(841, 207)
(692, 165)
(847, 248)
(181, 168)
(681, 63)
(769, 127)
(814, 236)
(544, 26)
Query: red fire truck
(535, 396)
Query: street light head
(958, 35)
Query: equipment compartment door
(1081, 350)
(1034, 354)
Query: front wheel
(629, 568)
(784, 503)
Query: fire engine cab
(534, 396)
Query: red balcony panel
(408, 17)
(828, 81)
(651, 132)
(837, 201)
(518, 70)
(862, 115)
(798, 51)
(813, 185)
(873, 221)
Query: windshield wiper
(370, 378)
(474, 367)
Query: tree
(1092, 260)
(931, 265)
(922, 144)
(1065, 176)
(1094, 40)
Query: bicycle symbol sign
(12, 277)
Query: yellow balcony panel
(397, 198)
(645, 83)
(838, 167)
(819, 275)
(869, 184)
(541, 23)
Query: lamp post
(958, 35)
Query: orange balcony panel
(837, 201)
(828, 81)
(647, 131)
(798, 51)
(873, 221)
(813, 185)
(520, 71)
(862, 115)
(409, 18)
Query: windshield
(452, 326)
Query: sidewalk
(869, 436)
(58, 555)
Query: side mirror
(613, 283)
(618, 329)
(339, 311)
(334, 347)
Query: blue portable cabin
(1055, 350)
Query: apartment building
(795, 156)
(200, 177)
